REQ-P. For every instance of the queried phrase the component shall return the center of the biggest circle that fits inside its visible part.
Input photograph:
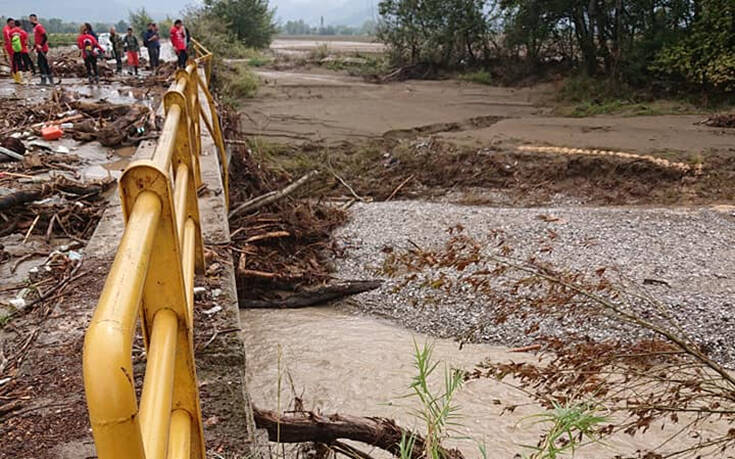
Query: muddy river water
(353, 364)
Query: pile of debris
(110, 124)
(69, 64)
(113, 125)
(59, 207)
(280, 243)
(724, 120)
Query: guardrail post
(166, 290)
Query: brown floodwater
(352, 364)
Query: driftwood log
(271, 197)
(18, 198)
(304, 427)
(311, 297)
(21, 197)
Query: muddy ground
(476, 144)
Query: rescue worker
(9, 49)
(152, 41)
(19, 42)
(130, 42)
(116, 43)
(40, 43)
(179, 42)
(90, 49)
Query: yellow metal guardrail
(152, 277)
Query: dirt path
(319, 106)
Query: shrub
(480, 77)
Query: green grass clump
(570, 427)
(259, 61)
(437, 410)
(236, 82)
(480, 77)
(61, 39)
(583, 96)
(358, 65)
(319, 53)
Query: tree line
(300, 27)
(669, 44)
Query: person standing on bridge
(9, 49)
(19, 42)
(90, 50)
(179, 42)
(40, 43)
(116, 43)
(152, 41)
(130, 42)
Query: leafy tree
(251, 21)
(439, 32)
(297, 28)
(214, 34)
(121, 26)
(656, 44)
(139, 20)
(705, 57)
(368, 28)
(164, 27)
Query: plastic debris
(18, 303)
(52, 132)
(213, 310)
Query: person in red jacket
(9, 49)
(22, 60)
(6, 40)
(178, 41)
(40, 44)
(90, 50)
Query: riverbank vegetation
(654, 47)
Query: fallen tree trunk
(304, 427)
(316, 296)
(273, 196)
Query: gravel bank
(693, 250)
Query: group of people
(15, 40)
(16, 47)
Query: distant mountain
(90, 11)
(335, 12)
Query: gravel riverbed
(691, 250)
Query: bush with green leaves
(439, 32)
(139, 20)
(250, 21)
(215, 35)
(656, 45)
(705, 58)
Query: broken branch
(273, 196)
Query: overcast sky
(346, 12)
